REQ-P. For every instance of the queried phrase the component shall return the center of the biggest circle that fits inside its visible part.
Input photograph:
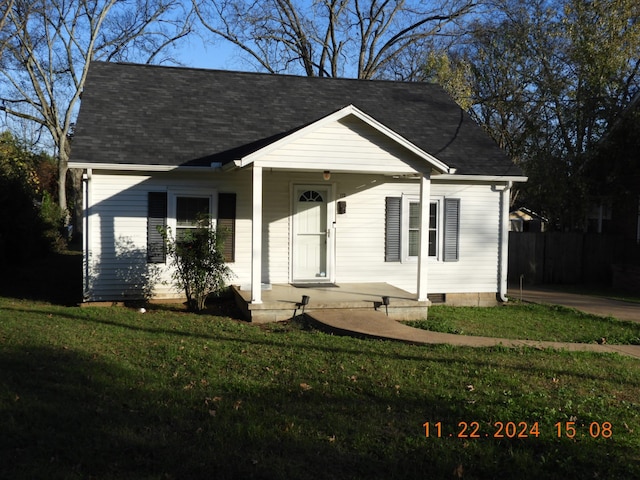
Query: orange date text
(521, 430)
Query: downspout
(505, 197)
(86, 179)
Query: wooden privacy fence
(560, 258)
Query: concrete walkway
(375, 324)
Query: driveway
(586, 303)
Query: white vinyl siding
(345, 145)
(367, 166)
(361, 242)
(117, 231)
(479, 226)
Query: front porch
(283, 301)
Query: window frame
(172, 208)
(407, 200)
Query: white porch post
(423, 252)
(505, 200)
(256, 237)
(87, 203)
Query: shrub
(29, 218)
(198, 262)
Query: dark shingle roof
(154, 115)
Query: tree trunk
(76, 209)
(63, 166)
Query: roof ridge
(265, 74)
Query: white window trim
(173, 195)
(404, 230)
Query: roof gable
(167, 116)
(429, 162)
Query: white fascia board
(133, 167)
(479, 178)
(345, 168)
(340, 114)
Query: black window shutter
(451, 251)
(227, 224)
(393, 224)
(156, 217)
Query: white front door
(310, 234)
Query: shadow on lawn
(56, 278)
(68, 415)
(86, 316)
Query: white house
(322, 181)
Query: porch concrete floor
(279, 303)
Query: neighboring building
(317, 180)
(526, 220)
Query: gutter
(131, 167)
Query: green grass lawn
(110, 393)
(530, 322)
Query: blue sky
(222, 55)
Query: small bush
(29, 226)
(199, 267)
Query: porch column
(505, 200)
(423, 252)
(256, 236)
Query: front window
(433, 229)
(414, 229)
(411, 230)
(191, 211)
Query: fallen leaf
(237, 404)
(458, 472)
(305, 386)
(470, 388)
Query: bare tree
(547, 80)
(5, 6)
(359, 38)
(49, 45)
